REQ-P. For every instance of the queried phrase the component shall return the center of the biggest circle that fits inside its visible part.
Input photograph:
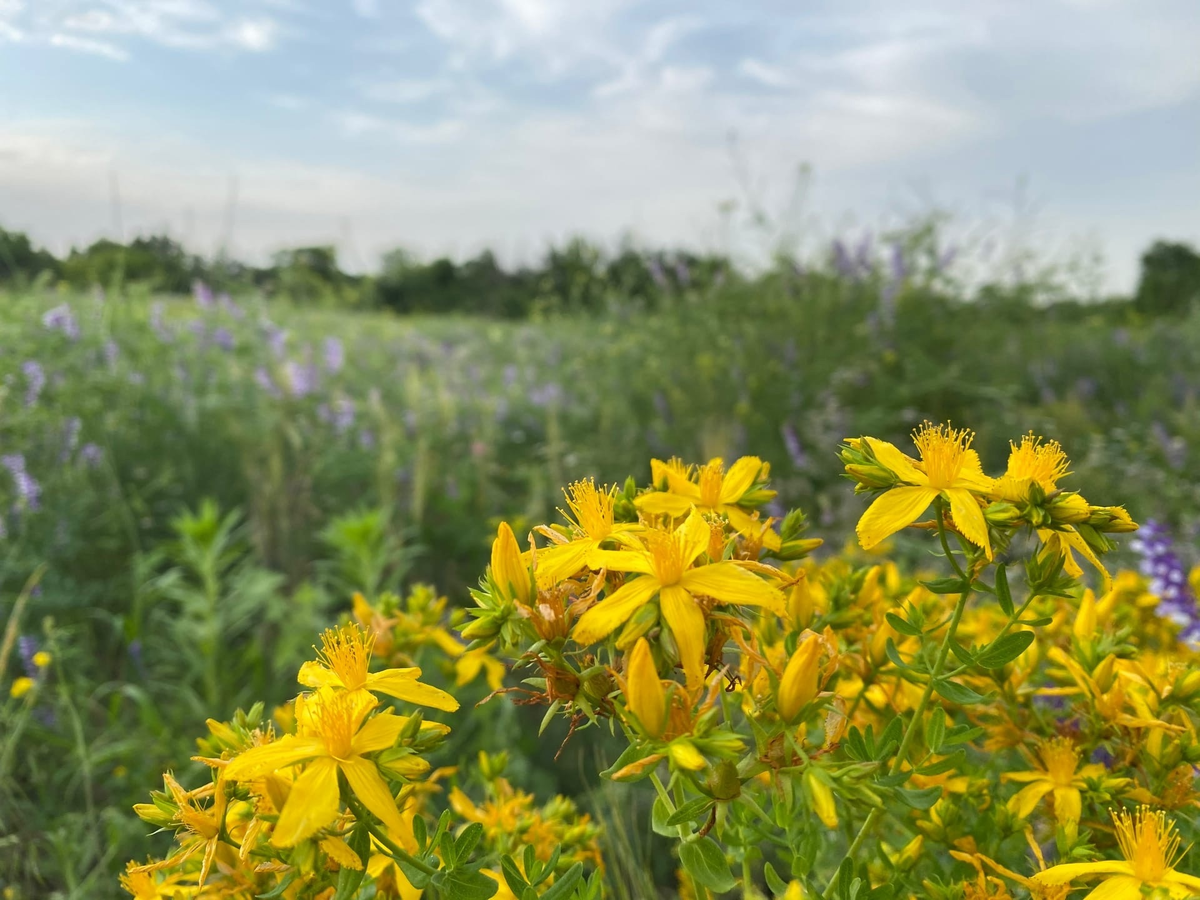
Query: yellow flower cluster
(337, 798)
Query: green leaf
(894, 655)
(279, 889)
(704, 860)
(467, 840)
(902, 625)
(659, 813)
(1003, 594)
(943, 765)
(1006, 649)
(690, 811)
(951, 585)
(965, 656)
(512, 875)
(774, 882)
(919, 799)
(565, 885)
(348, 883)
(464, 884)
(935, 730)
(956, 693)
(960, 734)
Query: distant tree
(1170, 280)
(155, 261)
(21, 262)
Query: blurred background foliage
(208, 458)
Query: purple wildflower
(71, 429)
(158, 325)
(510, 375)
(230, 306)
(202, 294)
(111, 353)
(28, 490)
(276, 338)
(335, 355)
(35, 380)
(62, 319)
(843, 262)
(682, 273)
(27, 647)
(91, 454)
(656, 273)
(795, 450)
(301, 378)
(549, 394)
(366, 439)
(1168, 579)
(223, 338)
(264, 380)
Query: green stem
(918, 714)
(397, 852)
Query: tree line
(578, 276)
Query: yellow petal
(1070, 871)
(739, 478)
(372, 790)
(403, 685)
(1068, 805)
(287, 751)
(339, 851)
(1123, 887)
(314, 675)
(379, 733)
(312, 804)
(892, 511)
(693, 537)
(621, 561)
(675, 474)
(611, 612)
(1071, 538)
(968, 516)
(1182, 878)
(730, 583)
(644, 691)
(1025, 801)
(558, 563)
(902, 466)
(684, 754)
(686, 621)
(662, 503)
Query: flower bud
(1113, 519)
(1068, 507)
(800, 602)
(1084, 627)
(637, 625)
(798, 685)
(684, 754)
(510, 575)
(1105, 674)
(1001, 513)
(644, 692)
(820, 794)
(724, 782)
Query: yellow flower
(344, 661)
(21, 687)
(1059, 775)
(592, 519)
(714, 491)
(1066, 542)
(948, 468)
(1150, 845)
(666, 565)
(201, 826)
(1030, 463)
(644, 691)
(798, 685)
(468, 666)
(510, 571)
(41, 659)
(335, 735)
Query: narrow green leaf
(956, 693)
(690, 811)
(1006, 649)
(1003, 593)
(565, 885)
(902, 625)
(935, 730)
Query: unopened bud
(724, 782)
(638, 625)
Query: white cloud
(406, 91)
(88, 45)
(11, 33)
(759, 71)
(368, 9)
(257, 35)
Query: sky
(1065, 128)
